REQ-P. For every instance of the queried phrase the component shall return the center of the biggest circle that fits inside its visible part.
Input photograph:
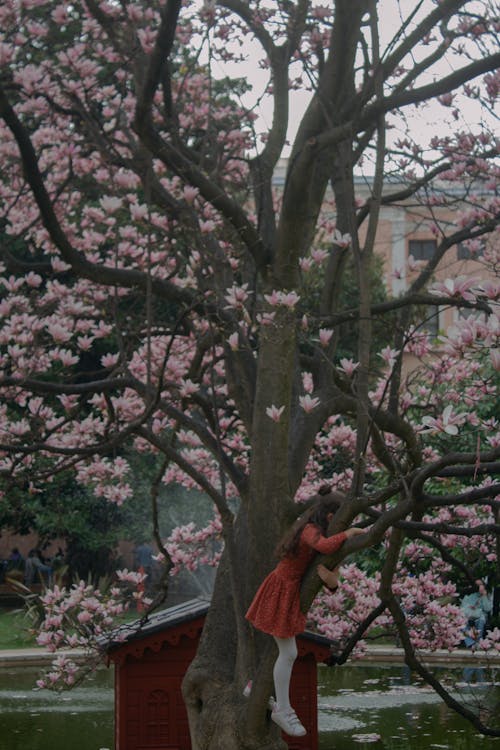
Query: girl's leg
(283, 714)
(282, 671)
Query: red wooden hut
(149, 667)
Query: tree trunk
(231, 652)
(220, 716)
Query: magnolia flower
(319, 255)
(187, 387)
(189, 193)
(275, 412)
(415, 265)
(59, 332)
(389, 355)
(348, 366)
(109, 360)
(308, 403)
(305, 264)
(457, 287)
(110, 203)
(138, 211)
(490, 288)
(33, 279)
(325, 334)
(341, 240)
(233, 341)
(287, 299)
(236, 296)
(207, 226)
(495, 359)
(448, 422)
(266, 319)
(290, 299)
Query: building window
(422, 249)
(470, 250)
(430, 320)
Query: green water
(356, 704)
(81, 719)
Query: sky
(424, 120)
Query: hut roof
(181, 617)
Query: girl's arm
(324, 544)
(327, 545)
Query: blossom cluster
(85, 617)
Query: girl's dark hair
(319, 508)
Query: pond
(357, 705)
(385, 707)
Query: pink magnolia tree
(161, 294)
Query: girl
(275, 608)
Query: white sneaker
(289, 722)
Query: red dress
(275, 608)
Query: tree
(142, 234)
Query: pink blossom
(207, 226)
(275, 412)
(274, 298)
(415, 265)
(189, 193)
(287, 299)
(33, 279)
(233, 341)
(110, 360)
(325, 334)
(308, 403)
(490, 288)
(110, 203)
(348, 366)
(236, 296)
(84, 617)
(389, 355)
(457, 287)
(59, 332)
(266, 319)
(342, 240)
(187, 388)
(319, 255)
(448, 422)
(305, 264)
(138, 212)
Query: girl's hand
(355, 531)
(330, 578)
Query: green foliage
(383, 329)
(15, 630)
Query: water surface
(372, 707)
(385, 708)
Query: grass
(15, 626)
(15, 630)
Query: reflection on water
(379, 707)
(81, 719)
(369, 707)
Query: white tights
(282, 671)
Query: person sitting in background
(15, 561)
(35, 569)
(476, 608)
